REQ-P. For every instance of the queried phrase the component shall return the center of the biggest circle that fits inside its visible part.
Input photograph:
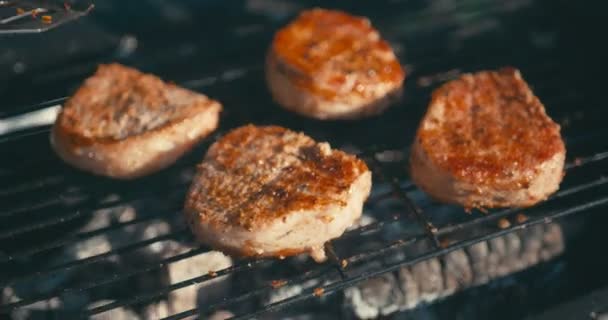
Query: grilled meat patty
(124, 124)
(331, 65)
(269, 191)
(486, 141)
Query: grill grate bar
(389, 267)
(361, 257)
(52, 221)
(430, 56)
(106, 281)
(314, 273)
(319, 271)
(580, 162)
(373, 227)
(427, 63)
(503, 213)
(421, 217)
(88, 234)
(74, 238)
(127, 194)
(92, 259)
(79, 212)
(175, 286)
(54, 182)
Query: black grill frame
(478, 226)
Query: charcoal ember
(39, 310)
(475, 265)
(478, 254)
(553, 242)
(90, 247)
(291, 290)
(409, 288)
(156, 310)
(532, 244)
(220, 315)
(497, 251)
(204, 293)
(376, 296)
(457, 271)
(428, 275)
(512, 261)
(319, 308)
(103, 218)
(192, 296)
(119, 313)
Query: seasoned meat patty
(269, 191)
(486, 141)
(124, 124)
(331, 65)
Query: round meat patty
(269, 191)
(486, 141)
(125, 124)
(331, 65)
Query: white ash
(177, 301)
(496, 258)
(90, 247)
(192, 296)
(479, 264)
(204, 293)
(375, 297)
(144, 231)
(434, 278)
(457, 272)
(409, 287)
(553, 242)
(512, 261)
(288, 291)
(532, 243)
(220, 315)
(156, 310)
(428, 275)
(38, 310)
(119, 313)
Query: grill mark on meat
(263, 190)
(487, 133)
(126, 124)
(119, 102)
(535, 143)
(283, 194)
(331, 65)
(310, 179)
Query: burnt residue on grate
(78, 245)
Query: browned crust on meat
(334, 58)
(133, 148)
(321, 173)
(488, 132)
(129, 94)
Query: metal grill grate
(43, 199)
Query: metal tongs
(18, 17)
